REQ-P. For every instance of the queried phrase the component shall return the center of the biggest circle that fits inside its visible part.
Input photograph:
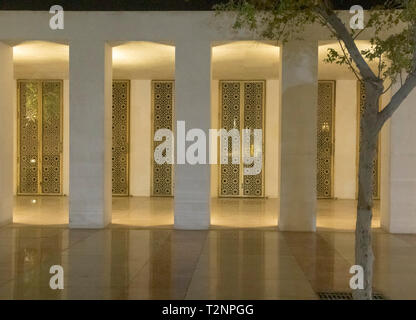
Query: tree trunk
(368, 147)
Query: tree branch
(396, 100)
(388, 88)
(358, 33)
(344, 35)
(348, 61)
(379, 67)
(403, 92)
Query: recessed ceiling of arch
(332, 71)
(151, 60)
(156, 60)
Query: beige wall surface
(140, 137)
(398, 201)
(123, 26)
(345, 169)
(6, 131)
(385, 168)
(298, 147)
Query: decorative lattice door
(120, 137)
(163, 93)
(39, 137)
(325, 139)
(241, 107)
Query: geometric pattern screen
(253, 119)
(40, 137)
(325, 139)
(230, 119)
(162, 106)
(120, 137)
(242, 107)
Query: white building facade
(199, 51)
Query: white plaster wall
(140, 137)
(385, 168)
(65, 167)
(398, 204)
(192, 105)
(298, 151)
(214, 125)
(272, 140)
(6, 131)
(90, 134)
(345, 166)
(151, 26)
(14, 137)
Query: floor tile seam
(196, 264)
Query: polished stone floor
(121, 263)
(144, 212)
(221, 263)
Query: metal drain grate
(345, 296)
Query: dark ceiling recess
(141, 5)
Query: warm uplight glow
(32, 51)
(245, 60)
(41, 60)
(245, 49)
(144, 60)
(335, 71)
(143, 53)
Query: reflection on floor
(244, 213)
(222, 263)
(121, 263)
(147, 212)
(143, 211)
(340, 215)
(47, 210)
